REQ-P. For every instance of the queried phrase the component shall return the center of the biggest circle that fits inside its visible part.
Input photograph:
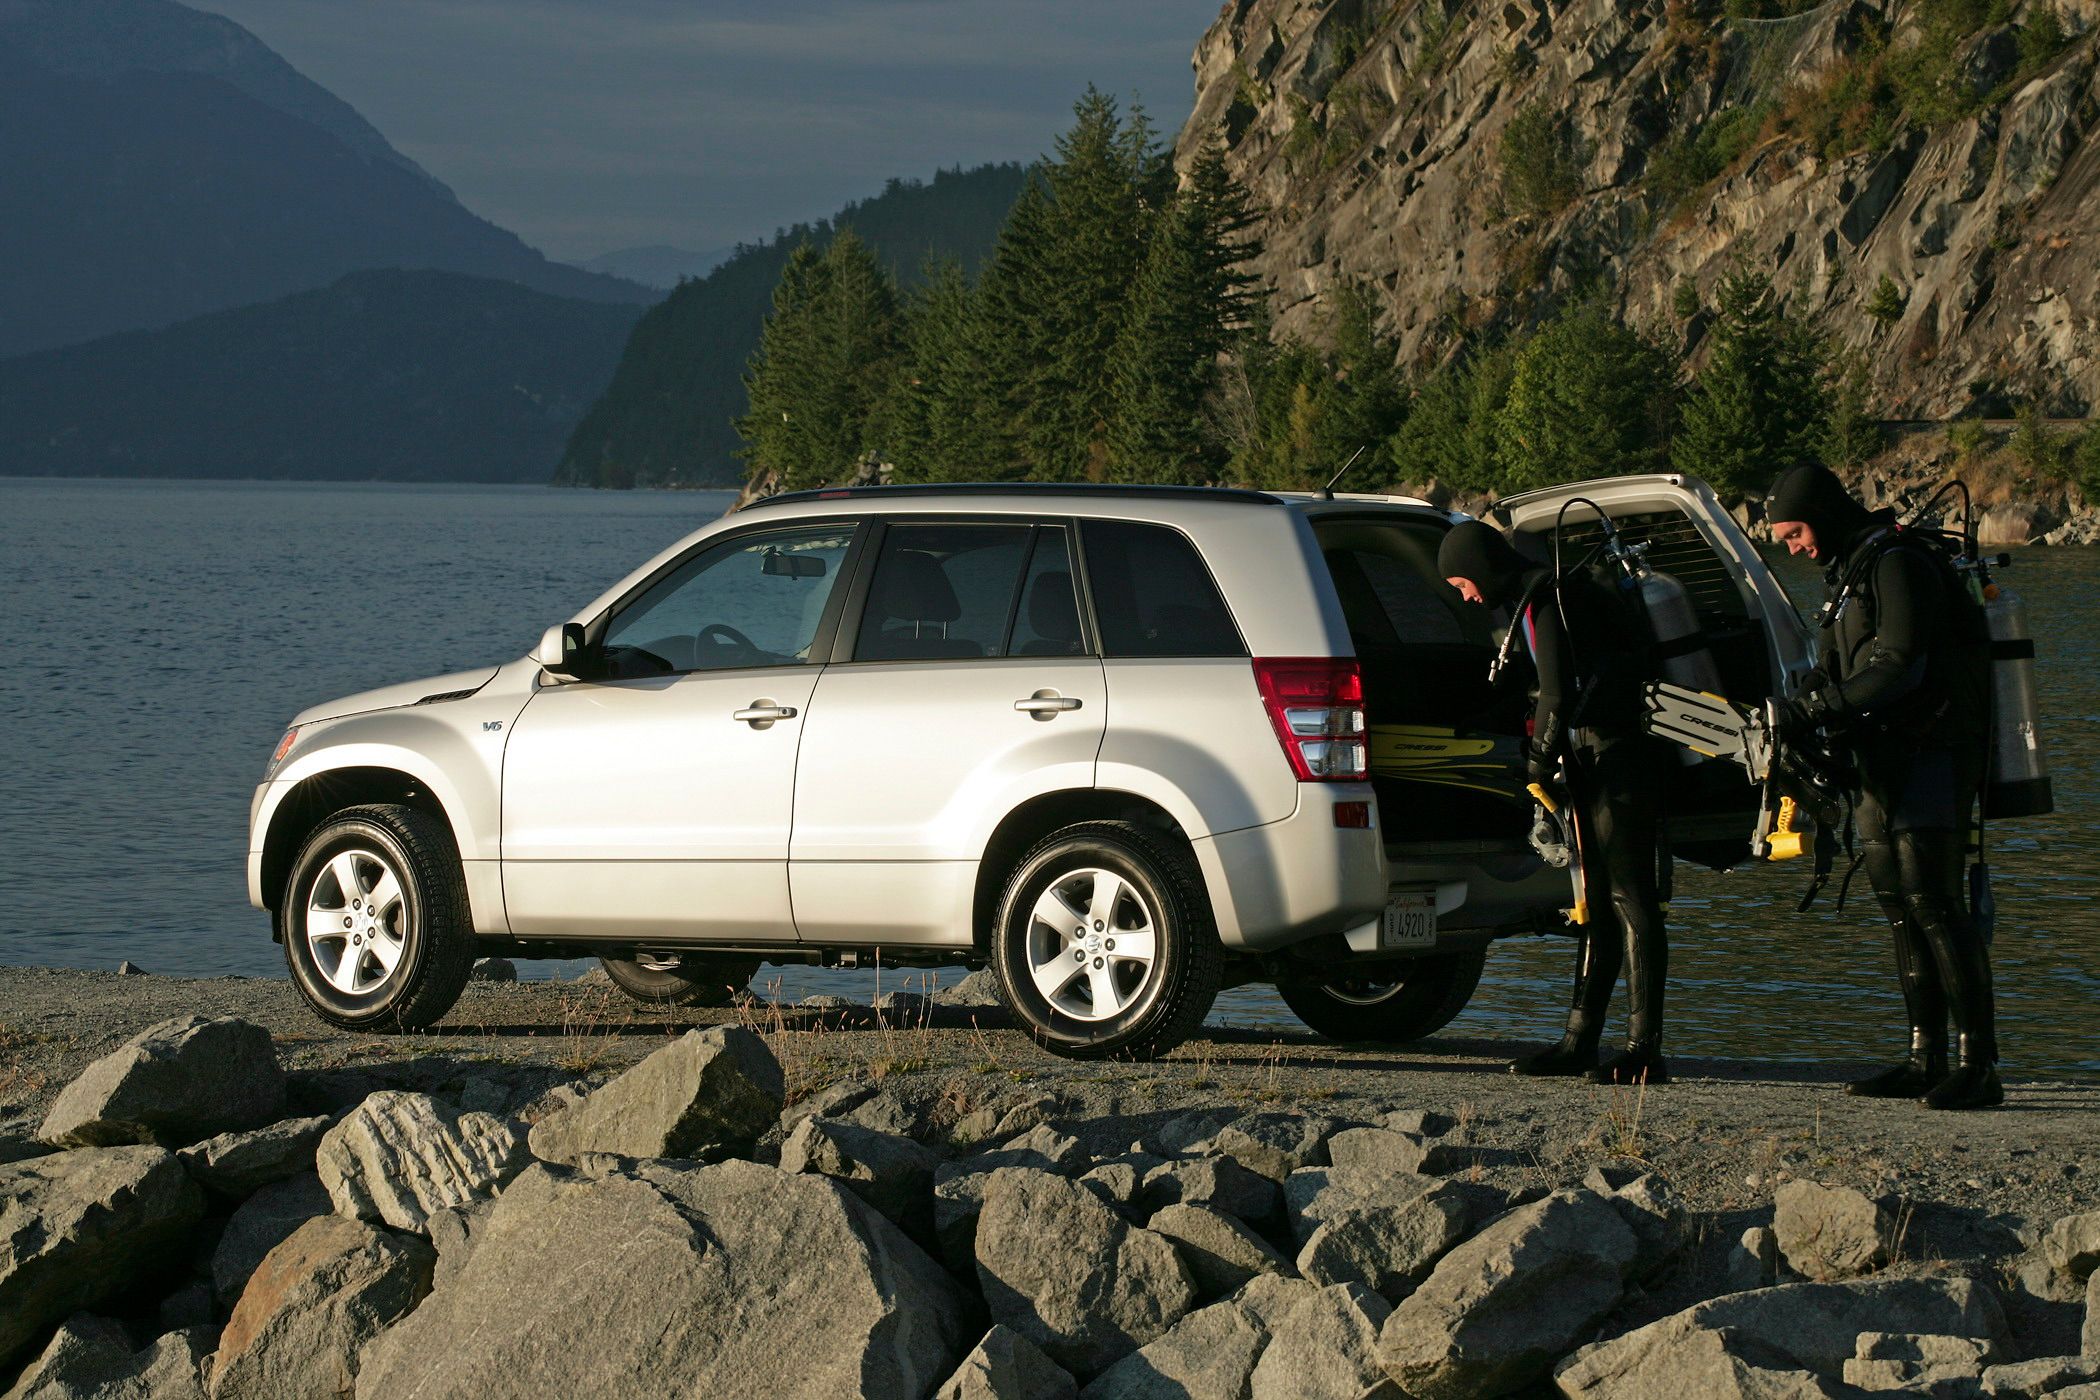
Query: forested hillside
(1481, 248)
(400, 376)
(666, 419)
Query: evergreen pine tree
(1760, 406)
(1190, 301)
(1589, 397)
(823, 364)
(1060, 279)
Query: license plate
(1410, 920)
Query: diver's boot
(1913, 1078)
(1576, 1053)
(1643, 1063)
(1596, 969)
(1973, 1084)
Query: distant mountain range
(666, 419)
(160, 163)
(385, 375)
(657, 266)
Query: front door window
(756, 600)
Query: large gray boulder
(728, 1281)
(1313, 1195)
(311, 1306)
(399, 1156)
(1071, 1275)
(240, 1164)
(258, 1225)
(1900, 1361)
(1221, 1252)
(1275, 1144)
(1830, 1232)
(705, 1095)
(1220, 1183)
(93, 1356)
(1382, 1149)
(891, 1173)
(958, 1187)
(2072, 1244)
(1210, 1354)
(1499, 1310)
(1710, 1365)
(77, 1228)
(1007, 1366)
(1651, 1210)
(1327, 1349)
(1387, 1249)
(1810, 1327)
(172, 1084)
(2046, 1375)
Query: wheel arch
(312, 800)
(1036, 818)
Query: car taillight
(1317, 706)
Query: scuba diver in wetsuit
(1589, 649)
(1904, 684)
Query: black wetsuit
(1903, 685)
(1586, 646)
(1589, 646)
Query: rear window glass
(1152, 594)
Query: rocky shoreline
(207, 1193)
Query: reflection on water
(163, 633)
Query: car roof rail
(1120, 490)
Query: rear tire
(681, 979)
(1104, 946)
(1389, 1005)
(375, 922)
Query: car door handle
(760, 714)
(1047, 704)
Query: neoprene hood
(1814, 496)
(1475, 550)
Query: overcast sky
(590, 125)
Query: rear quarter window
(1153, 595)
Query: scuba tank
(1680, 646)
(2018, 780)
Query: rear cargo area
(1446, 748)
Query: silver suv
(1124, 745)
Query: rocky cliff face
(1372, 131)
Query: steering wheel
(722, 634)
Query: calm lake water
(164, 632)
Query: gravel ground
(1725, 1133)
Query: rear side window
(942, 592)
(1152, 594)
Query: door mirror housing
(562, 650)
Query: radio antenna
(1327, 491)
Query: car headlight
(284, 746)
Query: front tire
(375, 923)
(1389, 1005)
(1104, 945)
(680, 979)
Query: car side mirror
(562, 649)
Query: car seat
(914, 604)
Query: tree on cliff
(1761, 405)
(823, 362)
(929, 426)
(1058, 284)
(1590, 396)
(1449, 435)
(1294, 414)
(1192, 298)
